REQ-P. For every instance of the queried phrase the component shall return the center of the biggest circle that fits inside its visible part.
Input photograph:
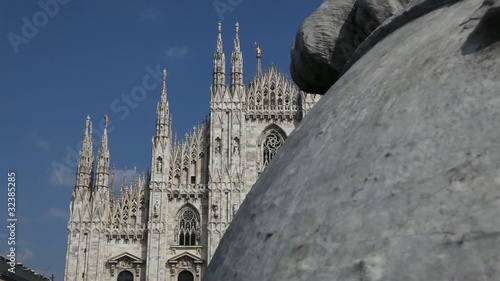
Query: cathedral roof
(272, 91)
(272, 78)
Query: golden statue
(257, 49)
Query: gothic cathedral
(166, 224)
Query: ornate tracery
(189, 227)
(272, 143)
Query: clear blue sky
(79, 60)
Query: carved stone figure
(218, 146)
(156, 208)
(159, 165)
(124, 263)
(215, 209)
(236, 147)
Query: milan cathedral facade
(166, 224)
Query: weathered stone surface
(372, 13)
(328, 38)
(316, 58)
(415, 9)
(394, 175)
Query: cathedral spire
(219, 71)
(102, 173)
(164, 86)
(112, 192)
(219, 38)
(237, 38)
(258, 52)
(85, 158)
(162, 110)
(236, 62)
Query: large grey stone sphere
(395, 174)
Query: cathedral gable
(185, 262)
(125, 261)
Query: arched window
(189, 227)
(185, 175)
(192, 170)
(272, 143)
(125, 276)
(185, 276)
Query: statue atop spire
(88, 126)
(258, 52)
(85, 158)
(162, 110)
(237, 38)
(102, 172)
(236, 62)
(219, 38)
(106, 121)
(105, 133)
(87, 137)
(164, 86)
(104, 139)
(219, 60)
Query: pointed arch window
(272, 143)
(189, 227)
(185, 175)
(192, 171)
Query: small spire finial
(164, 86)
(88, 126)
(219, 26)
(237, 39)
(106, 121)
